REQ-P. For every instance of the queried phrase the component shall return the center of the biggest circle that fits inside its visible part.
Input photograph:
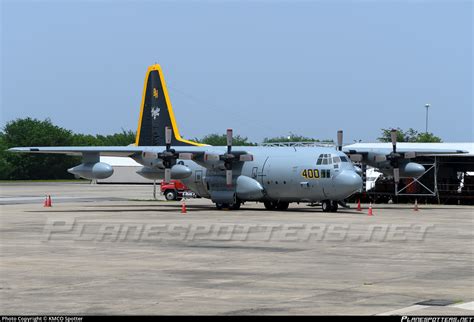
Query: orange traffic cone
(359, 208)
(183, 207)
(45, 202)
(415, 208)
(370, 210)
(49, 201)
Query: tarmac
(113, 249)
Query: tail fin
(156, 113)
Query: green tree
(409, 135)
(123, 138)
(221, 140)
(33, 132)
(428, 138)
(5, 166)
(294, 138)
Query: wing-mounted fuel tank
(91, 167)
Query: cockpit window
(320, 159)
(344, 159)
(327, 158)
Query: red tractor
(174, 190)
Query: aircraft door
(199, 183)
(255, 173)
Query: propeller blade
(211, 157)
(393, 136)
(186, 156)
(396, 175)
(168, 134)
(229, 140)
(149, 155)
(356, 157)
(167, 175)
(364, 177)
(339, 140)
(246, 157)
(410, 155)
(228, 177)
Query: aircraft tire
(269, 205)
(281, 205)
(326, 205)
(334, 206)
(235, 206)
(230, 206)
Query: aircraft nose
(348, 182)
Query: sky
(265, 69)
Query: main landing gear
(230, 206)
(278, 205)
(329, 206)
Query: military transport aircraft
(230, 175)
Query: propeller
(168, 156)
(228, 158)
(339, 140)
(394, 157)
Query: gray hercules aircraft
(226, 175)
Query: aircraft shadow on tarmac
(174, 208)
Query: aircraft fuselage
(290, 174)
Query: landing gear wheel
(269, 205)
(230, 206)
(282, 205)
(326, 205)
(235, 206)
(334, 206)
(170, 195)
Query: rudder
(156, 113)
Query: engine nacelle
(248, 188)
(98, 170)
(151, 173)
(178, 171)
(412, 169)
(151, 160)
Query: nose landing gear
(329, 205)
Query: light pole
(427, 106)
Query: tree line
(34, 132)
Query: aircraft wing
(191, 152)
(419, 149)
(117, 151)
